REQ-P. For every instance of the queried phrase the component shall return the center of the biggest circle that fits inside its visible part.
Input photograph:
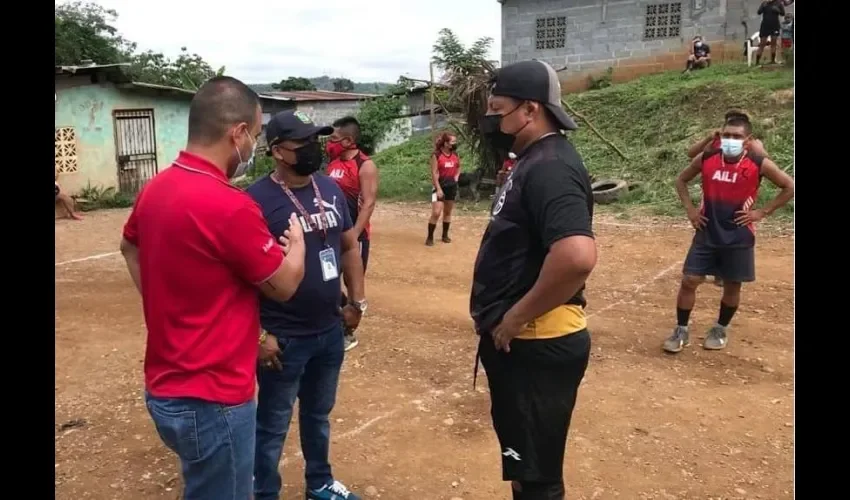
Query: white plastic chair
(752, 46)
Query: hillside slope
(652, 120)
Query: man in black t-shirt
(771, 11)
(527, 293)
(700, 54)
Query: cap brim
(565, 122)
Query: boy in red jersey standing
(724, 241)
(357, 176)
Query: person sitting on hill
(699, 55)
(787, 33)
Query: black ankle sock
(431, 228)
(726, 313)
(446, 229)
(683, 316)
(758, 58)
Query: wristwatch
(360, 305)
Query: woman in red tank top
(445, 171)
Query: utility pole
(433, 128)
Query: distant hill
(326, 83)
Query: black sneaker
(429, 242)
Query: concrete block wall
(603, 34)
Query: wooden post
(431, 110)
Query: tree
(188, 71)
(467, 73)
(85, 31)
(343, 85)
(295, 83)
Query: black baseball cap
(292, 125)
(533, 81)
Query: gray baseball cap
(533, 80)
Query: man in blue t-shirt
(306, 332)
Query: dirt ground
(408, 424)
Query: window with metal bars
(663, 20)
(551, 33)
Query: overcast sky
(265, 41)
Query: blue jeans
(215, 444)
(310, 373)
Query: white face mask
(245, 166)
(731, 147)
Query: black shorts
(769, 30)
(364, 252)
(736, 265)
(449, 192)
(533, 391)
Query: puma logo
(328, 206)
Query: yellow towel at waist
(559, 322)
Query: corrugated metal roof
(319, 95)
(116, 74)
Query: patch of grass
(97, 198)
(654, 119)
(405, 171)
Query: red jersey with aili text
(346, 173)
(726, 189)
(448, 166)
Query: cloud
(258, 41)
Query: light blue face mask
(731, 147)
(245, 166)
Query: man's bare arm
(565, 269)
(699, 146)
(352, 266)
(781, 180)
(283, 284)
(368, 193)
(686, 176)
(131, 257)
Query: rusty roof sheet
(319, 95)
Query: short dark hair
(740, 120)
(736, 113)
(351, 126)
(217, 105)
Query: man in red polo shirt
(198, 249)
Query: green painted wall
(88, 108)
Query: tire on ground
(609, 190)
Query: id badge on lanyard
(327, 257)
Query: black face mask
(308, 159)
(491, 128)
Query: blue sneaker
(332, 491)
